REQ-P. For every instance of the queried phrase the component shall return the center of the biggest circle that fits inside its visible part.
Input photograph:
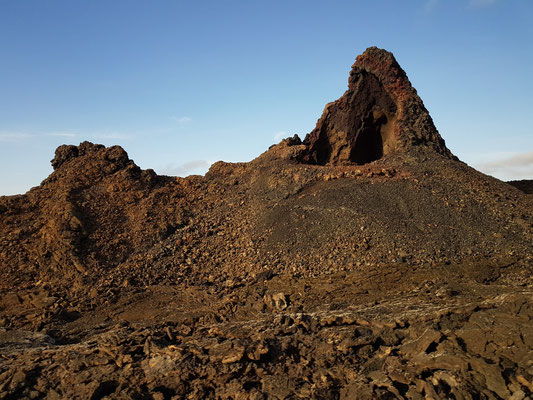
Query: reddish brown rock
(379, 114)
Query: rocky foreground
(363, 262)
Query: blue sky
(181, 84)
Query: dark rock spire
(379, 114)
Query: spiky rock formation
(379, 114)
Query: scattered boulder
(277, 301)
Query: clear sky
(181, 84)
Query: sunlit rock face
(379, 114)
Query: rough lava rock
(300, 274)
(379, 114)
(114, 156)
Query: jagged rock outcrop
(92, 212)
(379, 114)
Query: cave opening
(368, 144)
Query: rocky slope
(363, 262)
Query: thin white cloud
(17, 137)
(62, 134)
(94, 135)
(481, 3)
(182, 121)
(509, 166)
(14, 137)
(90, 135)
(196, 166)
(430, 6)
(107, 135)
(516, 160)
(280, 135)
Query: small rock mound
(379, 114)
(92, 213)
(115, 155)
(84, 165)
